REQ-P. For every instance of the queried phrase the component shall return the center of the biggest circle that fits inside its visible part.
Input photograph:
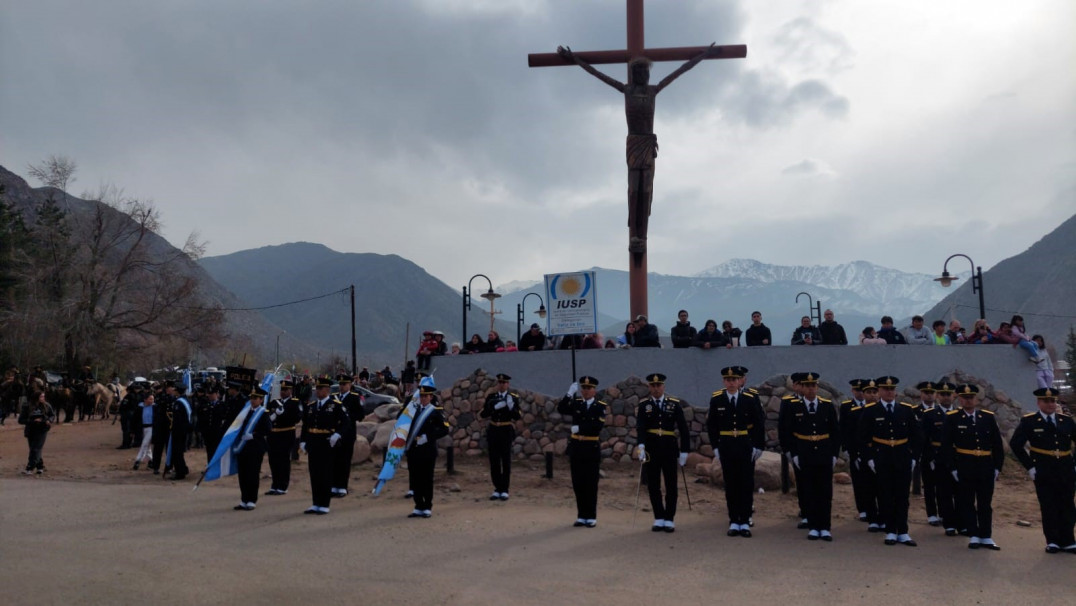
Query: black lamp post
(814, 308)
(489, 295)
(519, 313)
(976, 280)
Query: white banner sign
(573, 304)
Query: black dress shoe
(973, 545)
(179, 476)
(910, 543)
(1071, 550)
(992, 546)
(827, 538)
(813, 537)
(950, 532)
(890, 541)
(802, 525)
(1052, 549)
(745, 533)
(934, 523)
(733, 532)
(311, 511)
(657, 528)
(669, 529)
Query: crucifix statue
(639, 102)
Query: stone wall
(542, 428)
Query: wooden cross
(637, 48)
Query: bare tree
(54, 171)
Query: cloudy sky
(894, 132)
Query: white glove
(1031, 472)
(272, 417)
(333, 439)
(870, 464)
(247, 437)
(795, 461)
(956, 476)
(834, 464)
(683, 459)
(858, 463)
(511, 404)
(932, 465)
(421, 440)
(755, 454)
(913, 464)
(302, 447)
(641, 452)
(997, 472)
(573, 389)
(575, 429)
(499, 405)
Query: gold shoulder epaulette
(752, 390)
(674, 400)
(954, 411)
(986, 412)
(603, 403)
(847, 402)
(825, 400)
(514, 395)
(915, 406)
(1031, 414)
(788, 397)
(717, 393)
(869, 405)
(1061, 415)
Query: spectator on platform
(646, 334)
(509, 345)
(806, 334)
(1004, 335)
(493, 342)
(956, 333)
(917, 334)
(710, 338)
(683, 333)
(1024, 342)
(870, 337)
(888, 332)
(592, 341)
(533, 339)
(610, 344)
(758, 334)
(455, 349)
(732, 334)
(981, 335)
(475, 345)
(1044, 368)
(627, 340)
(832, 332)
(940, 337)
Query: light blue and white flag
(394, 453)
(187, 381)
(225, 460)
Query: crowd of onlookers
(641, 333)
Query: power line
(330, 294)
(1022, 313)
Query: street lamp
(489, 295)
(813, 307)
(976, 280)
(519, 313)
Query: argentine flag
(398, 441)
(225, 460)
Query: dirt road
(92, 531)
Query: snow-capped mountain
(892, 291)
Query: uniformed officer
(584, 446)
(815, 443)
(930, 497)
(162, 426)
(784, 439)
(1050, 436)
(972, 447)
(891, 441)
(323, 420)
(181, 427)
(251, 445)
(502, 410)
(284, 414)
(736, 426)
(659, 420)
(213, 421)
(428, 426)
(938, 484)
(343, 451)
(862, 482)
